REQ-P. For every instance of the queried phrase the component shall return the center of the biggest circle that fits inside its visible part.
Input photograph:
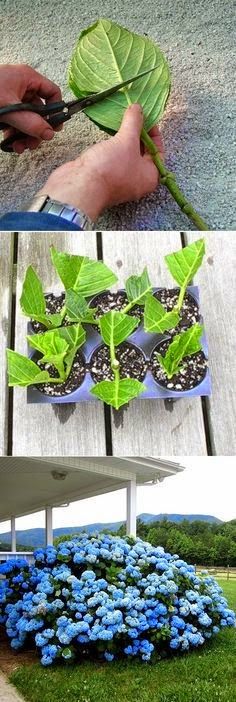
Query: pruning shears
(56, 113)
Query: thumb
(132, 124)
(30, 123)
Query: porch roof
(29, 485)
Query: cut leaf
(52, 347)
(81, 273)
(116, 327)
(22, 371)
(185, 344)
(137, 287)
(156, 319)
(183, 264)
(77, 309)
(74, 336)
(32, 301)
(117, 393)
(106, 54)
(59, 347)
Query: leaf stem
(136, 301)
(168, 179)
(180, 298)
(116, 370)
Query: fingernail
(48, 134)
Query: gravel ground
(197, 38)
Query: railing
(226, 572)
(9, 555)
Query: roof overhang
(29, 485)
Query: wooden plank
(53, 430)
(6, 276)
(218, 288)
(152, 427)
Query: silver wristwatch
(43, 203)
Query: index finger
(45, 88)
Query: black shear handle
(54, 120)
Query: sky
(206, 486)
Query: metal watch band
(43, 203)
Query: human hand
(111, 172)
(21, 83)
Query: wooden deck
(194, 426)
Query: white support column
(13, 534)
(131, 508)
(48, 526)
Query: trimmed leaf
(137, 287)
(118, 393)
(81, 273)
(156, 319)
(185, 344)
(183, 264)
(32, 301)
(75, 337)
(59, 347)
(77, 309)
(106, 54)
(116, 327)
(52, 347)
(22, 371)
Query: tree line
(198, 542)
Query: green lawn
(207, 675)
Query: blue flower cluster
(109, 597)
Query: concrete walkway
(197, 38)
(8, 693)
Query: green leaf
(59, 347)
(74, 336)
(22, 371)
(185, 344)
(156, 319)
(77, 309)
(32, 301)
(116, 327)
(52, 347)
(137, 287)
(118, 393)
(106, 54)
(183, 264)
(83, 274)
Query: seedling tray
(146, 342)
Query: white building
(29, 485)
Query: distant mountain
(33, 538)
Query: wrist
(79, 187)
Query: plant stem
(180, 298)
(116, 370)
(131, 304)
(168, 179)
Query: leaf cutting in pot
(156, 319)
(77, 308)
(184, 264)
(57, 348)
(106, 54)
(115, 327)
(184, 344)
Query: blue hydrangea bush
(108, 597)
